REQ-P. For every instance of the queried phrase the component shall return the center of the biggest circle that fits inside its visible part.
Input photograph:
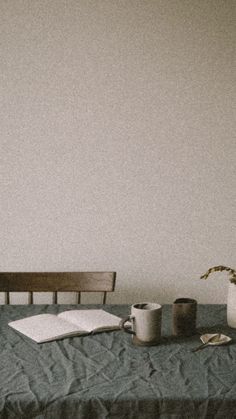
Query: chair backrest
(56, 281)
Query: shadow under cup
(184, 315)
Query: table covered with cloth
(105, 376)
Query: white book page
(90, 320)
(44, 327)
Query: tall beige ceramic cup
(145, 319)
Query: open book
(47, 327)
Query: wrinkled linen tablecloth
(106, 376)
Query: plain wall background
(118, 142)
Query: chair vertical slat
(7, 297)
(30, 298)
(104, 297)
(55, 297)
(78, 297)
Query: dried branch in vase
(221, 268)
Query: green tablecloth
(105, 376)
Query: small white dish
(221, 340)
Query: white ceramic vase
(231, 305)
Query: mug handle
(122, 325)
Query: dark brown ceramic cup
(184, 315)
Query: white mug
(145, 319)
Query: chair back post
(7, 297)
(104, 297)
(30, 298)
(54, 297)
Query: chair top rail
(57, 281)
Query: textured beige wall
(118, 142)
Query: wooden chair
(56, 281)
